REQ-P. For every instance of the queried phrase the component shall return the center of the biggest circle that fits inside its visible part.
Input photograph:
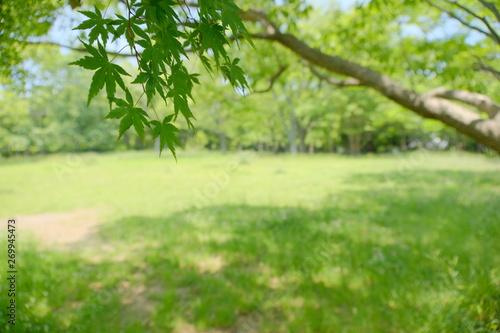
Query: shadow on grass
(415, 254)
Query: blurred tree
(401, 49)
(52, 115)
(16, 124)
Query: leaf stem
(117, 54)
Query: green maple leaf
(230, 18)
(122, 26)
(167, 9)
(235, 74)
(106, 72)
(135, 25)
(129, 115)
(153, 83)
(206, 63)
(153, 57)
(181, 105)
(97, 24)
(212, 37)
(181, 84)
(154, 26)
(166, 131)
(168, 41)
(228, 13)
(181, 81)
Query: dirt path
(59, 228)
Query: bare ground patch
(59, 228)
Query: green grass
(283, 244)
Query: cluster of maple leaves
(160, 33)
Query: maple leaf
(153, 83)
(212, 37)
(181, 81)
(129, 115)
(181, 84)
(135, 25)
(166, 131)
(120, 30)
(106, 72)
(235, 74)
(97, 24)
(168, 41)
(227, 12)
(230, 17)
(153, 25)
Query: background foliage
(409, 41)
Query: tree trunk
(157, 146)
(223, 142)
(127, 139)
(139, 145)
(292, 134)
(331, 147)
(276, 147)
(302, 140)
(354, 143)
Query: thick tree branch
(255, 15)
(485, 131)
(479, 101)
(273, 79)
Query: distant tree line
(322, 70)
(52, 116)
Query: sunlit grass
(282, 244)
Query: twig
(272, 80)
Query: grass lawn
(257, 243)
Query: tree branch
(80, 49)
(349, 82)
(492, 8)
(495, 73)
(479, 101)
(255, 15)
(493, 33)
(470, 26)
(75, 3)
(485, 131)
(113, 53)
(273, 79)
(188, 3)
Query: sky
(60, 33)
